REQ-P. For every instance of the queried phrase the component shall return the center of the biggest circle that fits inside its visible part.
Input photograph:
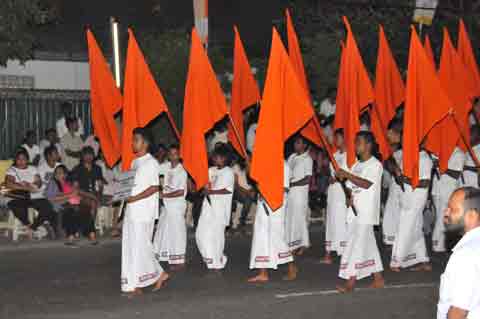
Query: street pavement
(50, 280)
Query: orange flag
(425, 105)
(245, 93)
(143, 101)
(204, 106)
(354, 93)
(468, 57)
(455, 79)
(389, 94)
(285, 109)
(429, 51)
(106, 101)
(312, 131)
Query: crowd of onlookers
(65, 179)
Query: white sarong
(391, 213)
(361, 257)
(409, 247)
(269, 248)
(171, 237)
(210, 235)
(336, 220)
(139, 266)
(296, 223)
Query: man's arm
(357, 181)
(174, 194)
(145, 194)
(457, 313)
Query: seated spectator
(32, 149)
(25, 183)
(90, 181)
(243, 192)
(62, 125)
(66, 201)
(93, 142)
(51, 139)
(72, 144)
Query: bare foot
(425, 267)
(260, 278)
(348, 287)
(377, 284)
(159, 284)
(133, 294)
(327, 260)
(292, 273)
(395, 269)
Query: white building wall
(52, 75)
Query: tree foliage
(18, 20)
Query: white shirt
(146, 175)
(110, 175)
(25, 175)
(446, 185)
(367, 201)
(469, 160)
(175, 180)
(46, 174)
(301, 166)
(241, 175)
(425, 166)
(251, 132)
(341, 159)
(222, 179)
(162, 171)
(327, 108)
(62, 128)
(460, 283)
(33, 151)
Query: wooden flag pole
(174, 126)
(235, 130)
(334, 162)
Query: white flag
(424, 11)
(200, 10)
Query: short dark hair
(339, 131)
(370, 139)
(50, 130)
(471, 199)
(223, 151)
(30, 133)
(396, 125)
(174, 146)
(144, 134)
(22, 151)
(66, 105)
(49, 151)
(88, 150)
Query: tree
(18, 20)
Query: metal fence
(38, 110)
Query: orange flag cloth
(106, 101)
(285, 109)
(425, 105)
(204, 106)
(456, 81)
(429, 51)
(312, 131)
(389, 94)
(468, 57)
(143, 101)
(245, 93)
(354, 93)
